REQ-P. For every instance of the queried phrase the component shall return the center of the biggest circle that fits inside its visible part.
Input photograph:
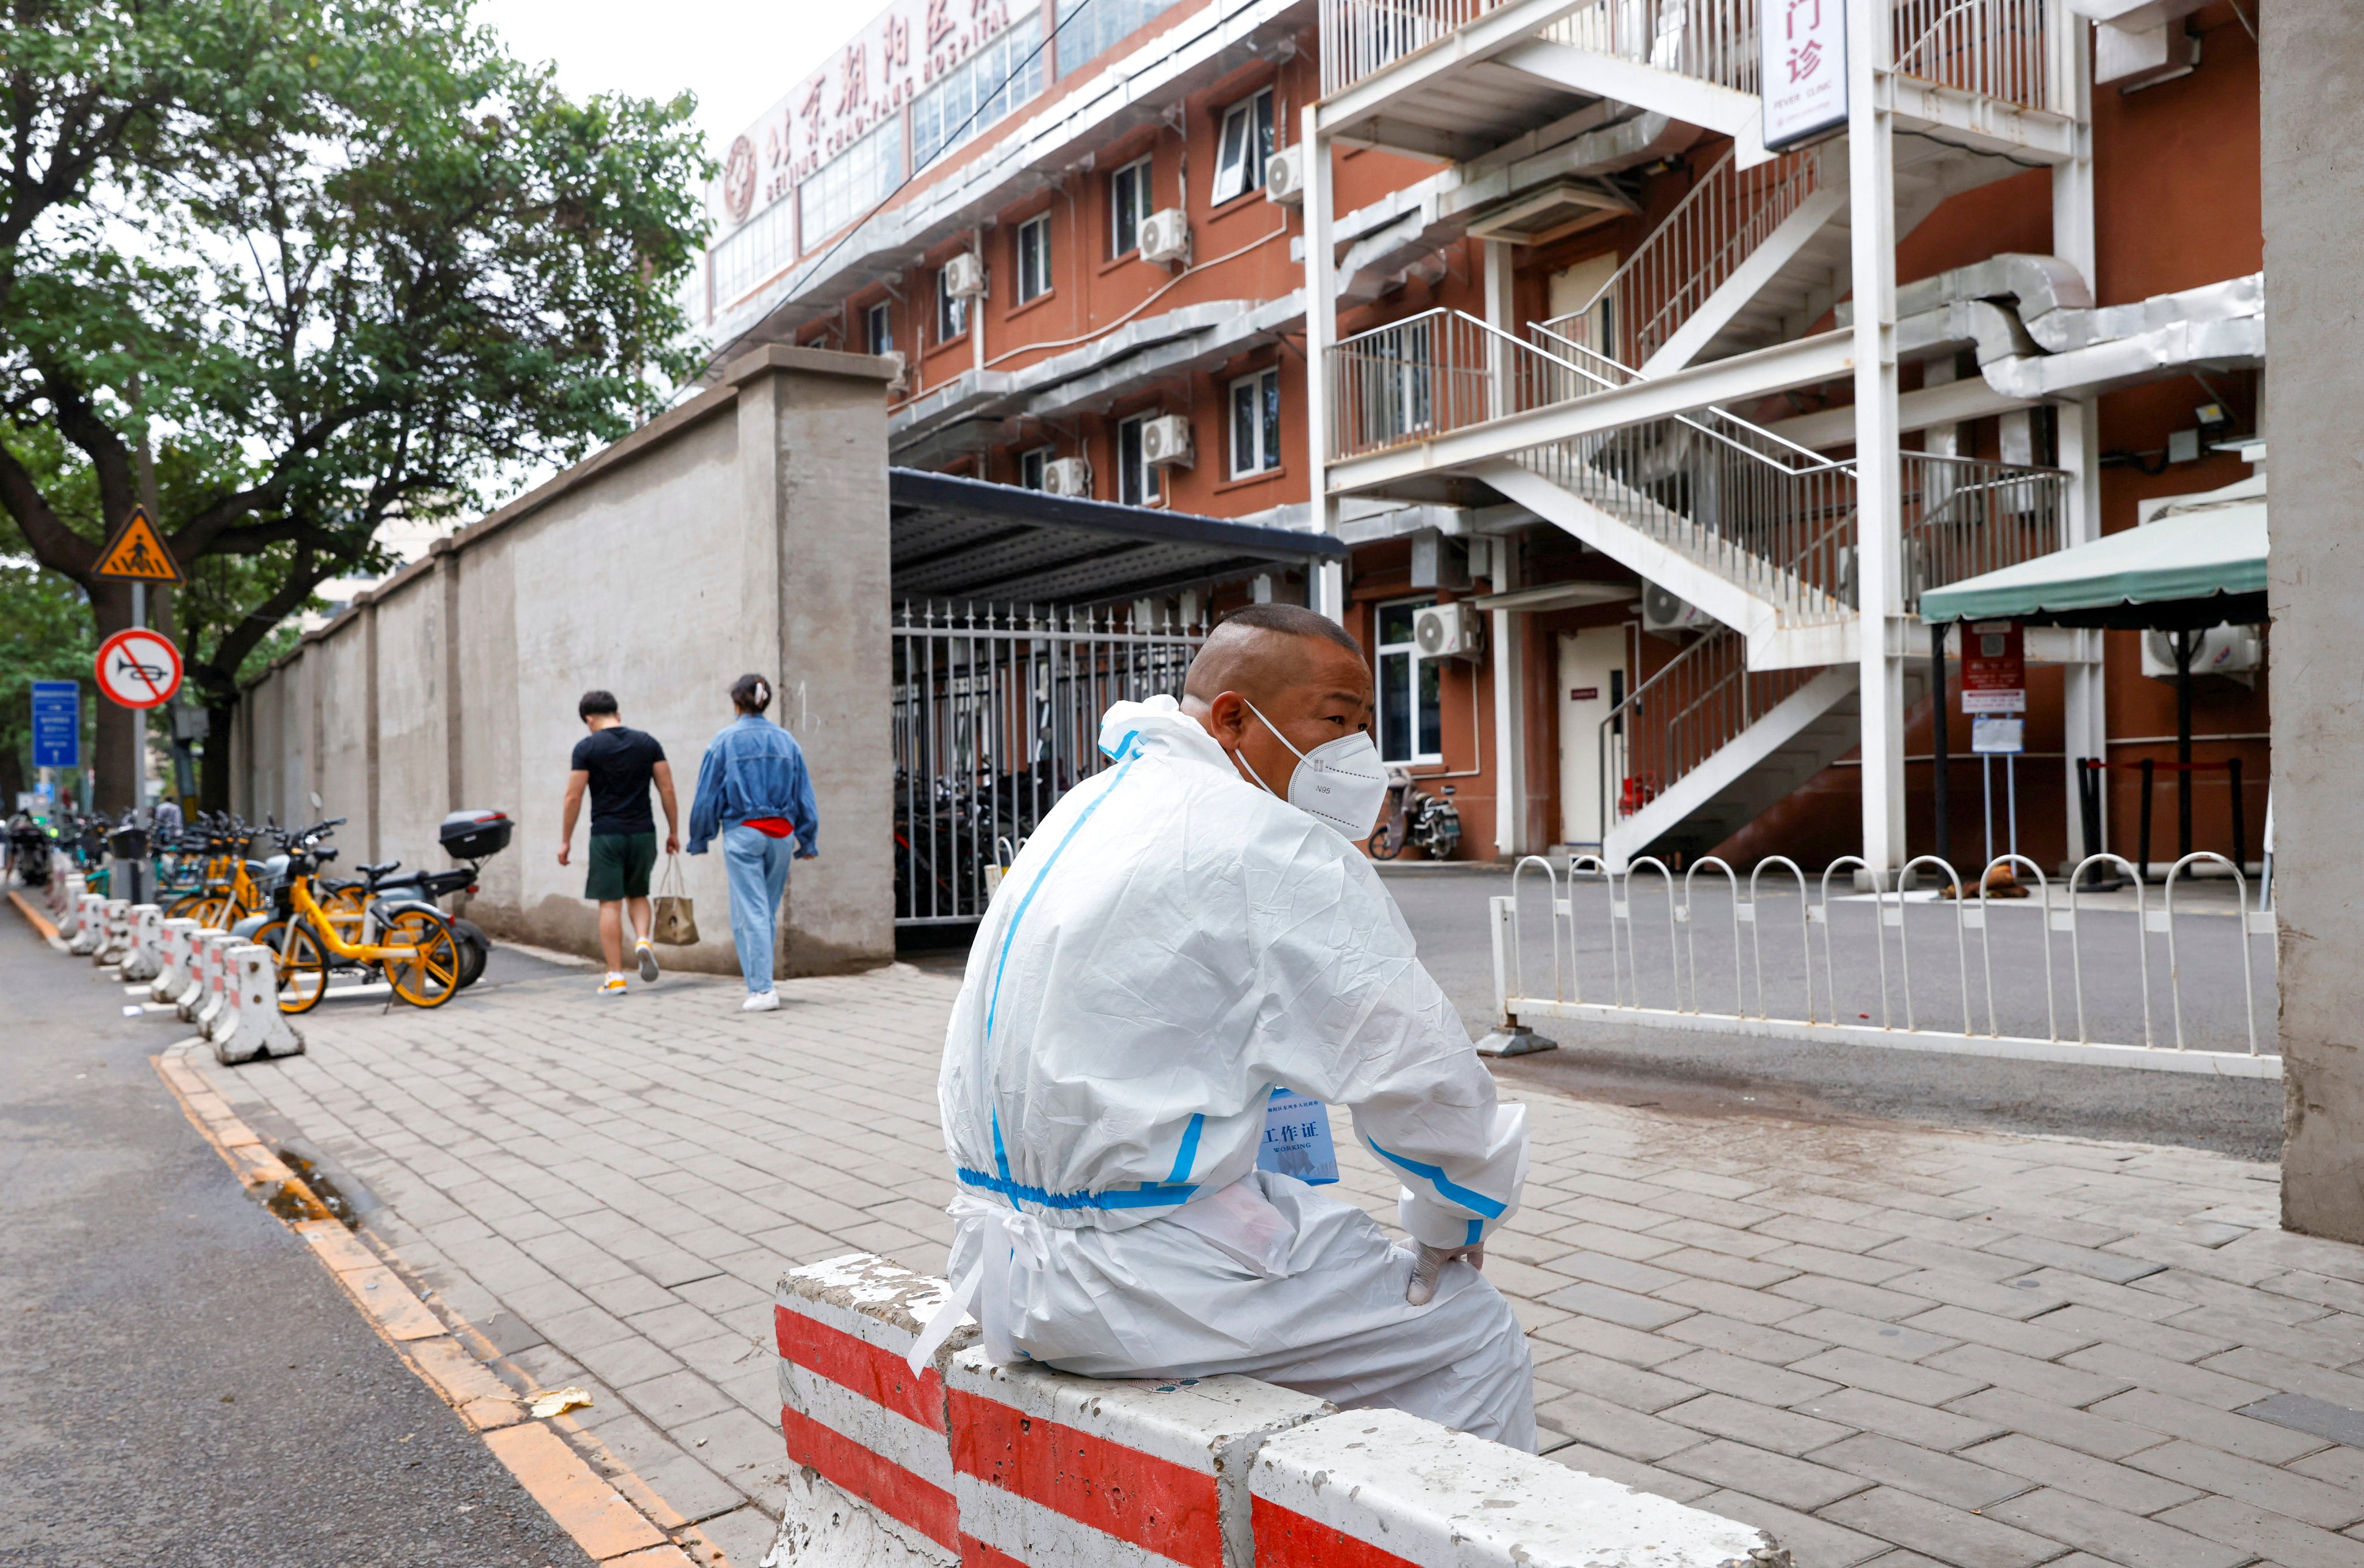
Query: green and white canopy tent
(2197, 562)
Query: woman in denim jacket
(753, 789)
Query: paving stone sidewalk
(1882, 1343)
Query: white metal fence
(1775, 986)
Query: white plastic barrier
(64, 884)
(173, 959)
(145, 959)
(116, 917)
(1675, 994)
(1375, 1488)
(90, 926)
(1022, 1467)
(217, 1001)
(254, 1025)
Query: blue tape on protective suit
(1445, 1186)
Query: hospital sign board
(1994, 667)
(899, 55)
(1802, 69)
(57, 724)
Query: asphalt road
(1713, 1072)
(180, 1381)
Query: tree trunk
(117, 757)
(213, 773)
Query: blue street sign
(57, 724)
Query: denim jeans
(758, 865)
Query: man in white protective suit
(1189, 929)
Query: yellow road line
(614, 1516)
(40, 921)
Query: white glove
(1430, 1261)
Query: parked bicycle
(1414, 817)
(411, 944)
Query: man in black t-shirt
(616, 765)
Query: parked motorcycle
(1417, 817)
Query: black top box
(472, 835)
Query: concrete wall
(746, 532)
(2313, 55)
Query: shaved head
(1263, 650)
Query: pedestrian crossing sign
(137, 553)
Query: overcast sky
(737, 55)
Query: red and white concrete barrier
(173, 953)
(1381, 1489)
(253, 1026)
(90, 924)
(216, 1000)
(144, 959)
(116, 922)
(1022, 1467)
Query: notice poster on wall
(1997, 735)
(1994, 667)
(1802, 69)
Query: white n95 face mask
(1340, 783)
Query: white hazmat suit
(1172, 945)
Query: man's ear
(1227, 719)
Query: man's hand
(1431, 1262)
(565, 850)
(673, 843)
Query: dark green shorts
(619, 865)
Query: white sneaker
(648, 962)
(760, 1002)
(613, 985)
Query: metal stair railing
(1713, 41)
(1966, 517)
(1669, 726)
(1996, 48)
(1714, 228)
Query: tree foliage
(346, 259)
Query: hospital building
(1694, 406)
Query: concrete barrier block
(855, 1418)
(1381, 1489)
(89, 925)
(172, 959)
(216, 1000)
(1055, 1471)
(254, 1025)
(116, 919)
(145, 959)
(62, 887)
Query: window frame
(1136, 472)
(952, 314)
(879, 327)
(1416, 710)
(1263, 456)
(1121, 244)
(1034, 465)
(1034, 281)
(1238, 176)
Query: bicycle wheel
(432, 977)
(302, 964)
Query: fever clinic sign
(1802, 69)
(1994, 667)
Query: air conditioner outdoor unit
(1165, 441)
(1664, 612)
(2222, 650)
(1284, 174)
(1454, 631)
(964, 276)
(1166, 236)
(1070, 476)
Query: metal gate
(996, 715)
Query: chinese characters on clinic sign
(1802, 69)
(895, 58)
(1994, 685)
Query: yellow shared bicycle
(411, 945)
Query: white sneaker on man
(760, 1002)
(648, 962)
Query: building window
(849, 186)
(952, 309)
(754, 252)
(878, 328)
(1031, 464)
(1255, 423)
(1088, 27)
(1034, 258)
(1127, 206)
(1000, 75)
(1136, 481)
(1245, 143)
(1412, 722)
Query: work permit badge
(1297, 1139)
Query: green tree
(347, 257)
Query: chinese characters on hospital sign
(1994, 685)
(1804, 69)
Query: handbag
(677, 912)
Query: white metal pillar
(1328, 593)
(1507, 630)
(2083, 710)
(1871, 195)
